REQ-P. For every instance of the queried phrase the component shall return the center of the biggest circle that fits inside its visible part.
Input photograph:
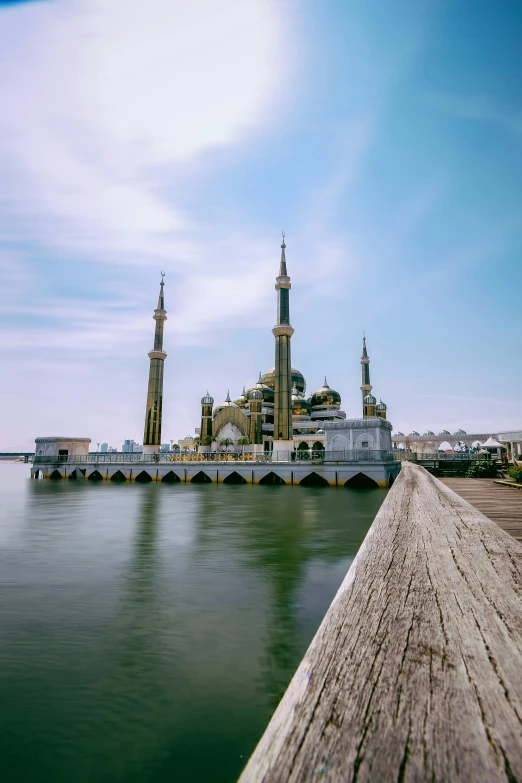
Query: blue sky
(386, 139)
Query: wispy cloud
(480, 108)
(105, 100)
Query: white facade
(513, 441)
(358, 435)
(54, 447)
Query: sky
(140, 136)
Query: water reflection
(279, 533)
(149, 630)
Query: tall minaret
(152, 433)
(205, 431)
(283, 331)
(366, 386)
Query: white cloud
(104, 101)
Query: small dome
(428, 433)
(300, 406)
(207, 400)
(444, 432)
(414, 434)
(381, 406)
(255, 394)
(298, 379)
(326, 396)
(266, 391)
(227, 404)
(369, 400)
(242, 399)
(398, 435)
(461, 432)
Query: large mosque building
(276, 414)
(274, 425)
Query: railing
(416, 456)
(414, 673)
(318, 456)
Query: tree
(244, 441)
(226, 442)
(461, 447)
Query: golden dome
(298, 379)
(300, 405)
(326, 396)
(267, 392)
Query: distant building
(104, 448)
(165, 447)
(130, 446)
(187, 444)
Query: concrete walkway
(501, 504)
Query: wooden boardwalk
(502, 505)
(414, 673)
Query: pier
(414, 673)
(358, 468)
(500, 503)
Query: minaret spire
(282, 265)
(283, 331)
(153, 412)
(366, 386)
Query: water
(147, 632)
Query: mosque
(276, 415)
(274, 424)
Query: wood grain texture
(501, 504)
(415, 673)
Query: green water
(147, 632)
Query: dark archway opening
(200, 478)
(314, 480)
(118, 476)
(171, 478)
(234, 478)
(272, 479)
(361, 481)
(303, 451)
(95, 476)
(55, 475)
(143, 477)
(390, 480)
(73, 475)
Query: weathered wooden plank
(415, 673)
(501, 504)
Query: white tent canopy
(491, 443)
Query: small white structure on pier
(358, 435)
(62, 447)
